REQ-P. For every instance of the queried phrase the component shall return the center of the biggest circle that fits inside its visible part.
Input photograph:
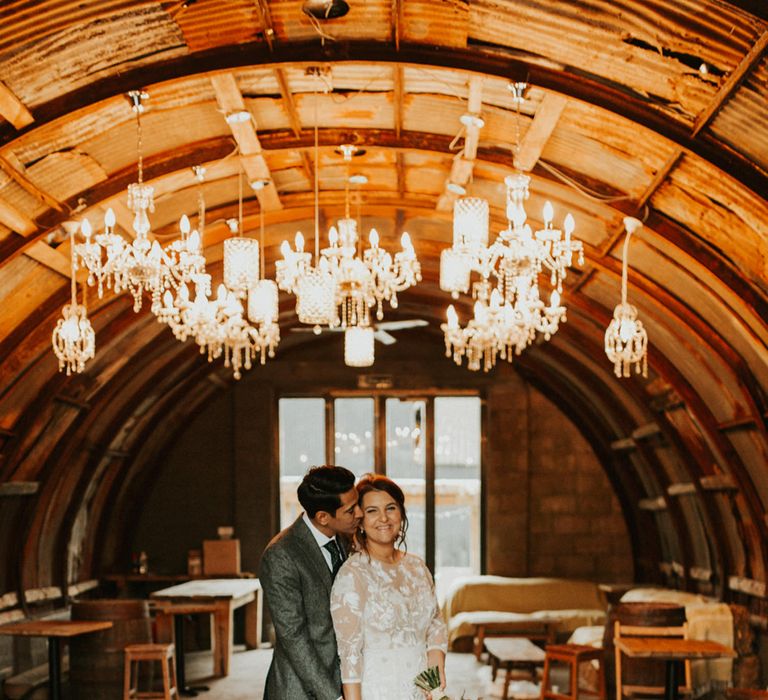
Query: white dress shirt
(322, 540)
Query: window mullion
(429, 483)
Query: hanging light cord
(261, 239)
(240, 198)
(73, 284)
(138, 108)
(317, 182)
(624, 264)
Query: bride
(387, 621)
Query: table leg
(671, 684)
(181, 676)
(253, 622)
(222, 628)
(54, 667)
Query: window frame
(380, 397)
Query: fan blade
(305, 329)
(402, 325)
(384, 337)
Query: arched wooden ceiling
(654, 110)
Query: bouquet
(429, 681)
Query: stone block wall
(550, 507)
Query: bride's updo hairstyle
(379, 482)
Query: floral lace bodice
(379, 609)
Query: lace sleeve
(437, 632)
(347, 606)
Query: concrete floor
(249, 669)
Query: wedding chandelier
(73, 338)
(364, 282)
(313, 285)
(141, 265)
(626, 341)
(219, 325)
(509, 311)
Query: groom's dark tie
(336, 558)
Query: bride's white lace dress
(386, 618)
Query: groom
(297, 571)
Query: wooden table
(54, 630)
(221, 597)
(671, 650)
(510, 653)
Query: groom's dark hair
(321, 487)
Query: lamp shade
(358, 346)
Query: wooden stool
(134, 655)
(511, 654)
(572, 655)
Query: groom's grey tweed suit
(297, 589)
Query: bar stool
(572, 655)
(134, 655)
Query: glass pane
(457, 488)
(302, 445)
(406, 463)
(353, 429)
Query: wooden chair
(135, 654)
(572, 656)
(633, 690)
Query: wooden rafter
(53, 259)
(16, 171)
(13, 109)
(230, 100)
(16, 220)
(659, 178)
(731, 83)
(541, 128)
(293, 117)
(464, 162)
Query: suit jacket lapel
(312, 552)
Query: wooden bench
(524, 626)
(511, 654)
(24, 684)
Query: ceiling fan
(380, 330)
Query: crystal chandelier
(626, 341)
(509, 311)
(141, 265)
(360, 281)
(73, 339)
(367, 281)
(313, 286)
(219, 325)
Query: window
(430, 446)
(302, 446)
(353, 434)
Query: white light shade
(358, 346)
(315, 297)
(454, 272)
(262, 302)
(241, 264)
(470, 222)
